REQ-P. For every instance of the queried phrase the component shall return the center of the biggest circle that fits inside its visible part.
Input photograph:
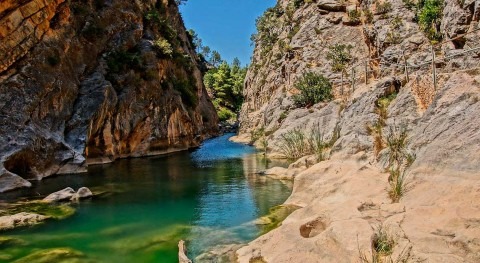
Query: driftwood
(182, 253)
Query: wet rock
(182, 253)
(48, 209)
(65, 194)
(83, 192)
(20, 220)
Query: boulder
(61, 195)
(331, 5)
(20, 219)
(9, 181)
(83, 192)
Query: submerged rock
(83, 192)
(10, 241)
(53, 255)
(19, 220)
(275, 217)
(61, 195)
(219, 254)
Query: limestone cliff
(344, 198)
(85, 82)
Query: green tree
(314, 88)
(215, 58)
(430, 17)
(339, 55)
(225, 84)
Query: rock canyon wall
(345, 196)
(85, 82)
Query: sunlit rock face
(85, 82)
(344, 198)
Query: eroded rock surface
(344, 199)
(88, 82)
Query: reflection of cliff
(84, 82)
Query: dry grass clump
(296, 144)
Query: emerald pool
(207, 197)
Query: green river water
(205, 197)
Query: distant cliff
(85, 82)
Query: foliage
(339, 55)
(430, 17)
(354, 16)
(398, 184)
(382, 241)
(163, 47)
(293, 144)
(266, 24)
(225, 85)
(317, 144)
(187, 90)
(225, 114)
(382, 106)
(384, 7)
(393, 36)
(399, 159)
(368, 15)
(119, 61)
(396, 142)
(313, 88)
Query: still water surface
(205, 197)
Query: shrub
(398, 184)
(313, 88)
(382, 241)
(339, 55)
(119, 61)
(225, 114)
(384, 7)
(163, 47)
(430, 17)
(396, 142)
(293, 144)
(187, 91)
(354, 16)
(368, 15)
(316, 144)
(382, 106)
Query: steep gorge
(86, 82)
(344, 199)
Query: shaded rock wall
(84, 82)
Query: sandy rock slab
(20, 219)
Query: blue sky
(225, 25)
